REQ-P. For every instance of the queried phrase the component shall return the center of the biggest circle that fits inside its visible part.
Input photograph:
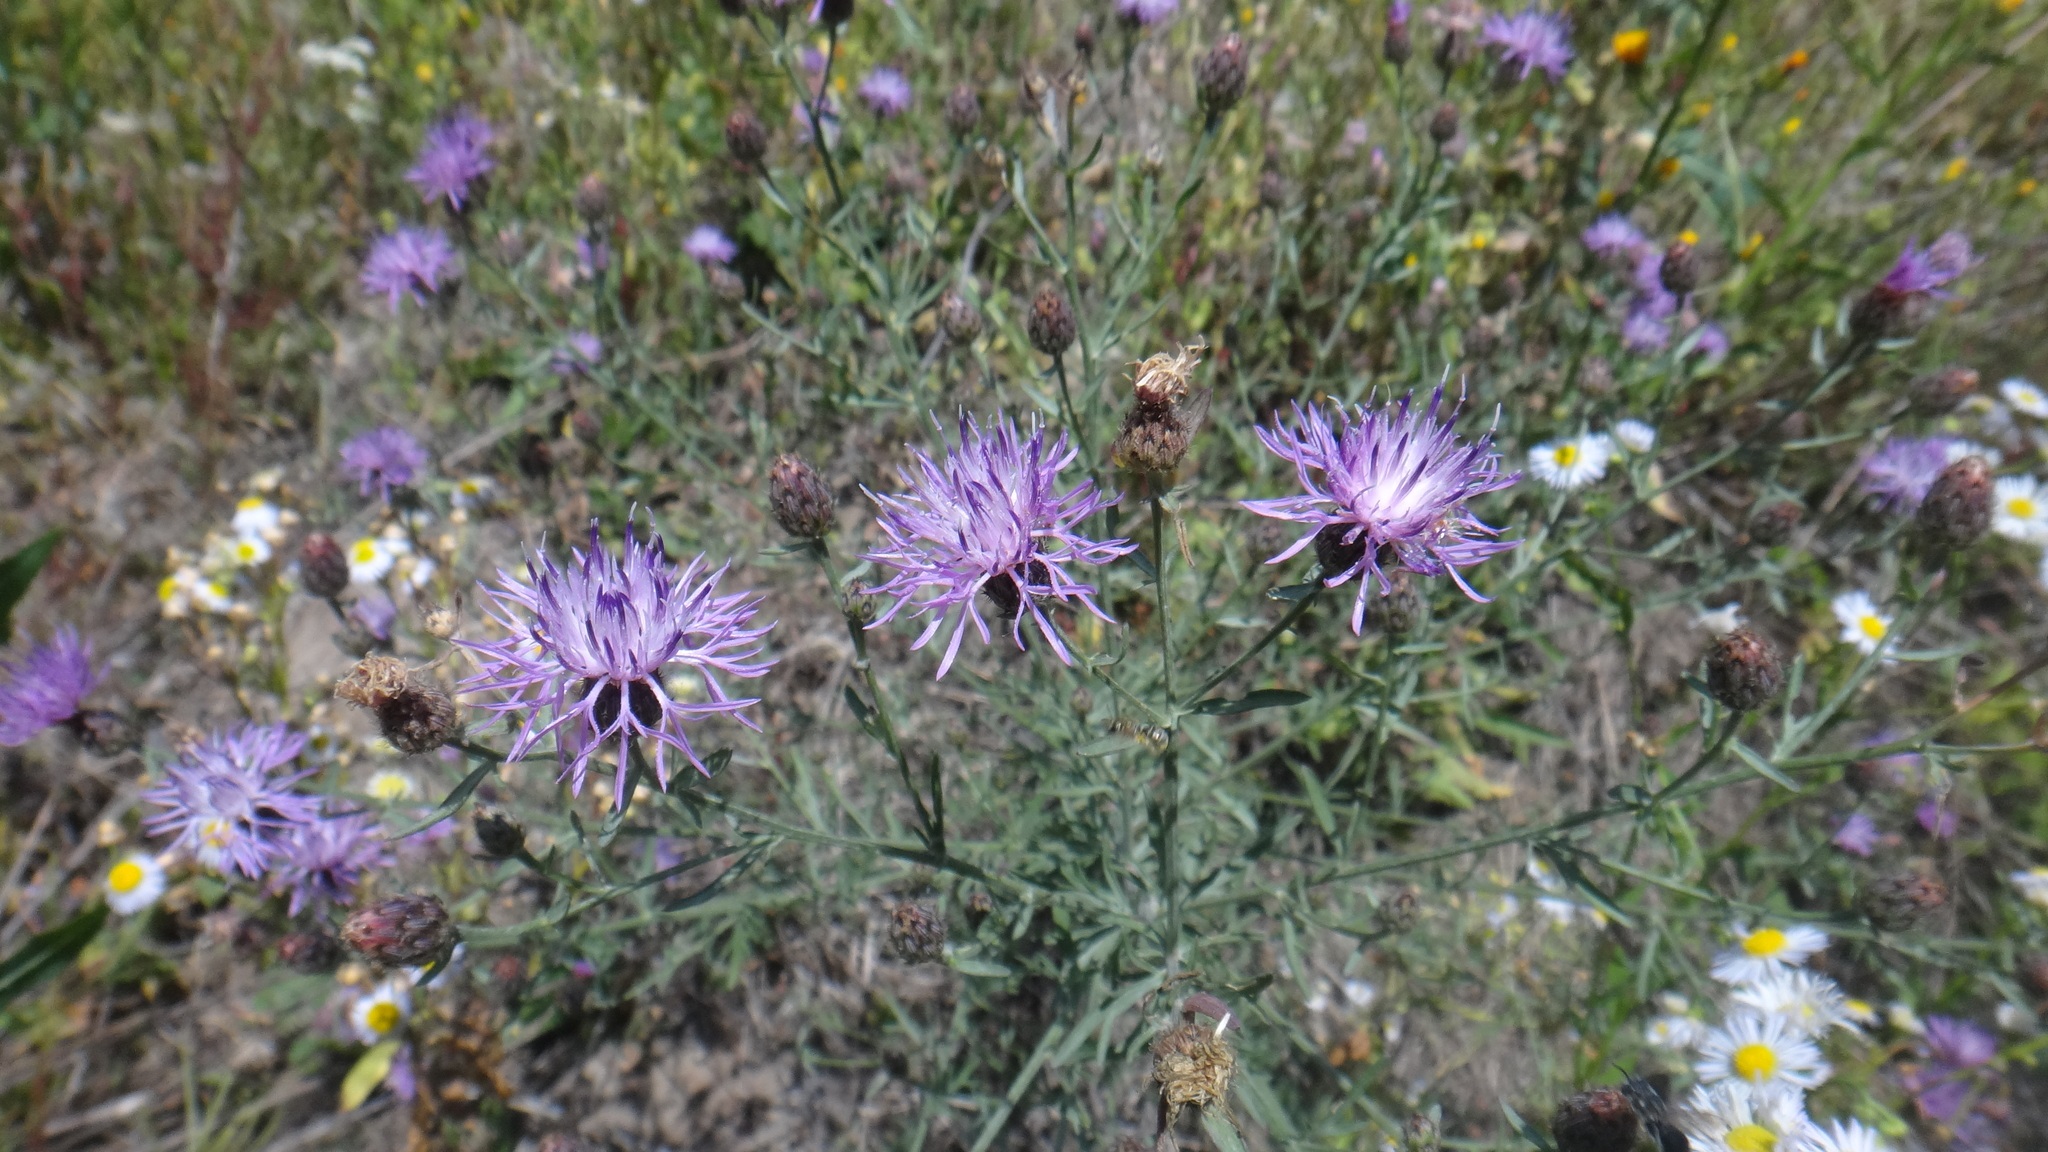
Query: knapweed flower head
(1711, 344)
(324, 860)
(1954, 1047)
(1146, 13)
(225, 802)
(409, 261)
(1644, 333)
(1386, 487)
(1927, 271)
(134, 883)
(592, 642)
(577, 355)
(1612, 237)
(1573, 462)
(707, 245)
(455, 152)
(46, 687)
(886, 92)
(1531, 39)
(1858, 835)
(382, 459)
(989, 518)
(1903, 468)
(1760, 1052)
(1959, 1043)
(1766, 949)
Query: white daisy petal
(1731, 1117)
(2025, 397)
(378, 1012)
(2019, 509)
(134, 883)
(1759, 1051)
(1862, 624)
(1574, 463)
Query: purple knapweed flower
(1926, 271)
(1954, 1047)
(382, 459)
(375, 611)
(1146, 13)
(46, 687)
(1532, 39)
(886, 91)
(707, 245)
(404, 263)
(591, 642)
(1612, 237)
(577, 355)
(402, 1080)
(591, 258)
(223, 803)
(1649, 281)
(1644, 332)
(455, 152)
(324, 860)
(1903, 468)
(1712, 344)
(1386, 487)
(1398, 13)
(1936, 818)
(989, 518)
(1857, 836)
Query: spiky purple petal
(407, 262)
(325, 859)
(1531, 39)
(46, 687)
(456, 151)
(223, 802)
(382, 459)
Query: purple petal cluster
(409, 261)
(591, 642)
(325, 859)
(1901, 471)
(382, 459)
(1858, 835)
(1927, 271)
(707, 245)
(1613, 237)
(1531, 39)
(1954, 1048)
(45, 688)
(1712, 346)
(1386, 486)
(990, 518)
(577, 355)
(456, 152)
(225, 803)
(887, 92)
(1644, 332)
(1146, 13)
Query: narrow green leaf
(1519, 732)
(1222, 1132)
(1294, 592)
(1263, 698)
(1318, 798)
(1527, 1130)
(370, 1070)
(1763, 767)
(17, 571)
(454, 801)
(46, 953)
(976, 966)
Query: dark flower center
(1336, 556)
(638, 693)
(1007, 595)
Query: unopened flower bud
(1772, 524)
(1957, 510)
(1399, 44)
(979, 905)
(1151, 441)
(1423, 1132)
(1051, 322)
(800, 498)
(1272, 190)
(1601, 1120)
(1939, 393)
(1398, 608)
(1443, 123)
(963, 111)
(960, 318)
(746, 138)
(832, 13)
(323, 566)
(1899, 901)
(412, 712)
(500, 836)
(1220, 76)
(1084, 37)
(916, 934)
(309, 951)
(1878, 313)
(1680, 270)
(1743, 672)
(1193, 1065)
(593, 199)
(401, 932)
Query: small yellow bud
(1955, 169)
(424, 71)
(1689, 237)
(1791, 126)
(2027, 186)
(1729, 42)
(1793, 63)
(1632, 46)
(1605, 199)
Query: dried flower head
(801, 500)
(1193, 1065)
(959, 317)
(407, 262)
(591, 643)
(1743, 671)
(989, 518)
(1050, 324)
(325, 859)
(382, 459)
(1162, 378)
(455, 153)
(1386, 487)
(1957, 510)
(223, 803)
(401, 932)
(45, 688)
(917, 934)
(1600, 1120)
(412, 711)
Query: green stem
(1295, 613)
(1159, 586)
(1688, 74)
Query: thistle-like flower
(1531, 39)
(325, 859)
(989, 518)
(886, 92)
(1145, 13)
(46, 688)
(455, 152)
(707, 245)
(382, 459)
(1903, 468)
(590, 646)
(1917, 273)
(408, 262)
(1392, 490)
(224, 802)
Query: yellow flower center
(1751, 1138)
(382, 1017)
(249, 503)
(390, 786)
(1872, 627)
(1764, 942)
(126, 877)
(2021, 507)
(1567, 455)
(363, 551)
(216, 833)
(245, 552)
(1755, 1063)
(169, 589)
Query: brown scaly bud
(960, 318)
(309, 951)
(412, 711)
(1601, 1120)
(746, 138)
(1939, 393)
(1164, 414)
(963, 111)
(1220, 76)
(1152, 441)
(1084, 37)
(1399, 606)
(593, 199)
(1193, 1065)
(979, 905)
(499, 835)
(1399, 44)
(1897, 902)
(1443, 123)
(800, 498)
(1878, 313)
(1680, 270)
(1743, 672)
(323, 566)
(1051, 324)
(1772, 524)
(401, 932)
(916, 934)
(1957, 510)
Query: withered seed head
(1957, 510)
(401, 932)
(963, 111)
(1743, 672)
(1051, 324)
(500, 836)
(1601, 1120)
(412, 711)
(916, 934)
(960, 318)
(1193, 1065)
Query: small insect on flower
(590, 645)
(1759, 1051)
(988, 518)
(382, 459)
(45, 688)
(1862, 624)
(223, 804)
(886, 92)
(455, 152)
(1386, 487)
(2025, 397)
(707, 245)
(134, 883)
(1571, 464)
(1731, 1117)
(1531, 39)
(378, 1012)
(407, 262)
(1766, 950)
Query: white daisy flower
(1766, 950)
(247, 551)
(1673, 1032)
(134, 883)
(1955, 450)
(390, 785)
(1720, 621)
(2025, 397)
(1731, 1117)
(1842, 1136)
(1573, 463)
(1902, 1018)
(1809, 1002)
(1859, 1012)
(472, 492)
(2032, 885)
(378, 1012)
(255, 516)
(1503, 913)
(186, 589)
(369, 561)
(1635, 436)
(1359, 993)
(1673, 1003)
(2011, 1017)
(1759, 1051)
(417, 571)
(1862, 624)
(2019, 509)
